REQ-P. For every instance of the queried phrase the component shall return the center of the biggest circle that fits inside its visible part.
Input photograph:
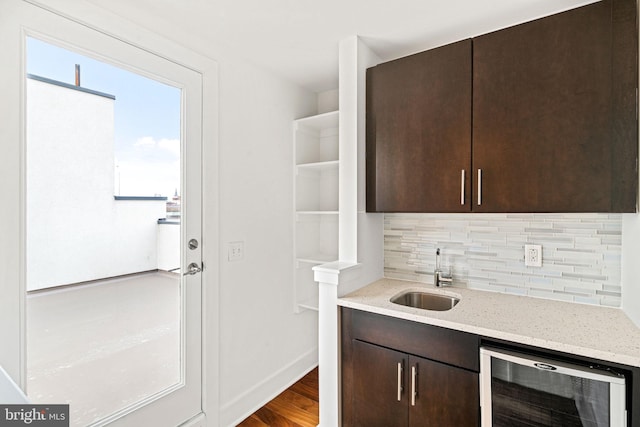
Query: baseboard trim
(235, 411)
(199, 420)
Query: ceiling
(298, 39)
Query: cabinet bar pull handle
(414, 392)
(399, 381)
(479, 187)
(462, 187)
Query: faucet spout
(440, 277)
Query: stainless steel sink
(425, 300)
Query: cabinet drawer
(432, 342)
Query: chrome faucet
(440, 277)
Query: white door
(182, 400)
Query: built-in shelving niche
(315, 202)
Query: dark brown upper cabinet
(553, 126)
(419, 132)
(544, 99)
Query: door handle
(399, 381)
(414, 390)
(479, 187)
(192, 269)
(462, 187)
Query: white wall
(264, 345)
(328, 101)
(168, 246)
(361, 233)
(76, 231)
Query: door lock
(193, 244)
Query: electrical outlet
(533, 255)
(236, 251)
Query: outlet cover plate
(533, 255)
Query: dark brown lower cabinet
(392, 388)
(379, 386)
(397, 373)
(445, 395)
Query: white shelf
(310, 304)
(320, 121)
(317, 212)
(315, 186)
(316, 259)
(319, 166)
(316, 139)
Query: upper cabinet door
(419, 132)
(547, 97)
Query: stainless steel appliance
(517, 389)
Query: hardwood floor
(297, 406)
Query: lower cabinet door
(445, 396)
(379, 386)
(393, 389)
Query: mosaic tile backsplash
(581, 253)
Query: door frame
(13, 186)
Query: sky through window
(147, 117)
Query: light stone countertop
(586, 330)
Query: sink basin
(425, 300)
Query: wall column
(332, 277)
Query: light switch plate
(533, 255)
(236, 251)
